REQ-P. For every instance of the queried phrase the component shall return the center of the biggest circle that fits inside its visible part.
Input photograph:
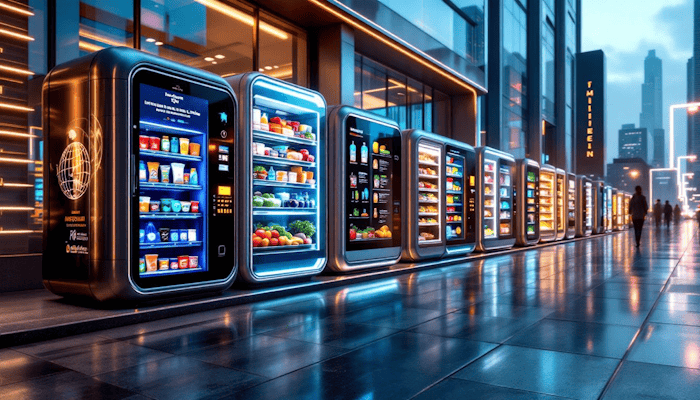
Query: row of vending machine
(163, 180)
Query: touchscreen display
(373, 185)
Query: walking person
(638, 210)
(658, 210)
(676, 215)
(668, 213)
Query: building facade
(651, 116)
(634, 143)
(694, 93)
(423, 63)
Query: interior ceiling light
(17, 134)
(261, 69)
(213, 62)
(220, 56)
(16, 9)
(15, 107)
(150, 40)
(267, 67)
(89, 47)
(275, 66)
(243, 17)
(16, 35)
(16, 70)
(159, 43)
(208, 58)
(98, 38)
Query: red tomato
(260, 232)
(274, 242)
(274, 233)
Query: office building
(634, 143)
(651, 116)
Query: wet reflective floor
(588, 319)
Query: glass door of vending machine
(561, 200)
(284, 159)
(584, 223)
(460, 197)
(367, 233)
(490, 203)
(608, 209)
(526, 199)
(572, 207)
(548, 215)
(619, 215)
(626, 210)
(505, 199)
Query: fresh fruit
(305, 154)
(274, 242)
(375, 147)
(283, 241)
(307, 241)
(256, 241)
(277, 120)
(310, 158)
(274, 233)
(268, 234)
(265, 242)
(260, 233)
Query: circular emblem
(74, 171)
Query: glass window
(282, 50)
(206, 34)
(358, 81)
(98, 24)
(396, 99)
(547, 77)
(441, 107)
(513, 134)
(374, 88)
(415, 104)
(23, 58)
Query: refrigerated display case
(619, 201)
(572, 205)
(526, 200)
(608, 202)
(283, 183)
(584, 215)
(140, 200)
(598, 207)
(628, 219)
(365, 233)
(561, 204)
(548, 203)
(460, 197)
(495, 198)
(424, 214)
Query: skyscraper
(651, 116)
(634, 142)
(694, 92)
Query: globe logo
(74, 171)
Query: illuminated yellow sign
(589, 128)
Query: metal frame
(482, 244)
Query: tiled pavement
(583, 320)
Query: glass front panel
(514, 72)
(455, 195)
(490, 199)
(286, 158)
(282, 50)
(185, 180)
(572, 203)
(373, 186)
(561, 210)
(547, 207)
(505, 197)
(429, 177)
(589, 206)
(22, 71)
(532, 181)
(205, 34)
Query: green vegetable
(268, 203)
(257, 201)
(259, 168)
(286, 234)
(268, 195)
(305, 227)
(279, 228)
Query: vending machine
(139, 194)
(527, 196)
(584, 216)
(460, 197)
(548, 203)
(282, 194)
(572, 205)
(495, 198)
(607, 200)
(365, 229)
(598, 207)
(424, 195)
(619, 210)
(561, 204)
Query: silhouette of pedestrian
(658, 210)
(668, 213)
(676, 215)
(638, 210)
